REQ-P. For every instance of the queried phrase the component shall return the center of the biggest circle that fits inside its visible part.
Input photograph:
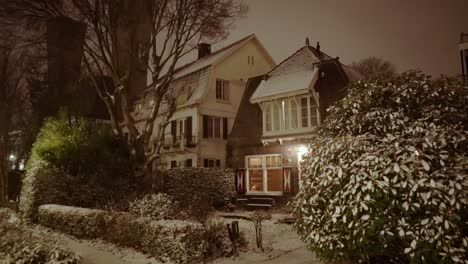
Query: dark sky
(413, 34)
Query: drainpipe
(462, 64)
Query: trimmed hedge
(18, 245)
(185, 184)
(166, 240)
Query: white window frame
(264, 173)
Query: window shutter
(218, 163)
(225, 128)
(188, 130)
(188, 163)
(205, 126)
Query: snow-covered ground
(281, 243)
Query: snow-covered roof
(210, 59)
(294, 75)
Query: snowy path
(95, 251)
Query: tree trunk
(4, 127)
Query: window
(151, 102)
(173, 164)
(211, 163)
(268, 117)
(313, 112)
(138, 106)
(276, 116)
(188, 163)
(294, 114)
(250, 60)
(214, 127)
(304, 112)
(272, 116)
(222, 90)
(265, 173)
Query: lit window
(265, 173)
(222, 90)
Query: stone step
(259, 205)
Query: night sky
(416, 34)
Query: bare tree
(14, 103)
(373, 67)
(127, 39)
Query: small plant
(257, 219)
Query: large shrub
(157, 206)
(18, 245)
(75, 162)
(187, 184)
(175, 240)
(386, 175)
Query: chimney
(307, 42)
(318, 46)
(204, 49)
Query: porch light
(12, 157)
(301, 150)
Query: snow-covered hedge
(18, 245)
(387, 175)
(186, 183)
(167, 240)
(157, 206)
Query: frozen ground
(281, 243)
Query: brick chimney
(204, 49)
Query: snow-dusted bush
(17, 245)
(204, 183)
(157, 206)
(387, 175)
(167, 240)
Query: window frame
(264, 169)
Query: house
(463, 47)
(208, 91)
(279, 112)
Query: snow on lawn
(281, 243)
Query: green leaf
(425, 165)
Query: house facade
(279, 113)
(208, 91)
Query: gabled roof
(296, 74)
(293, 75)
(213, 58)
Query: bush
(77, 164)
(157, 206)
(176, 241)
(386, 176)
(18, 245)
(185, 184)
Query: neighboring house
(208, 92)
(463, 47)
(278, 114)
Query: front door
(264, 174)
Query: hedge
(185, 184)
(18, 245)
(166, 240)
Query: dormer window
(222, 90)
(290, 114)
